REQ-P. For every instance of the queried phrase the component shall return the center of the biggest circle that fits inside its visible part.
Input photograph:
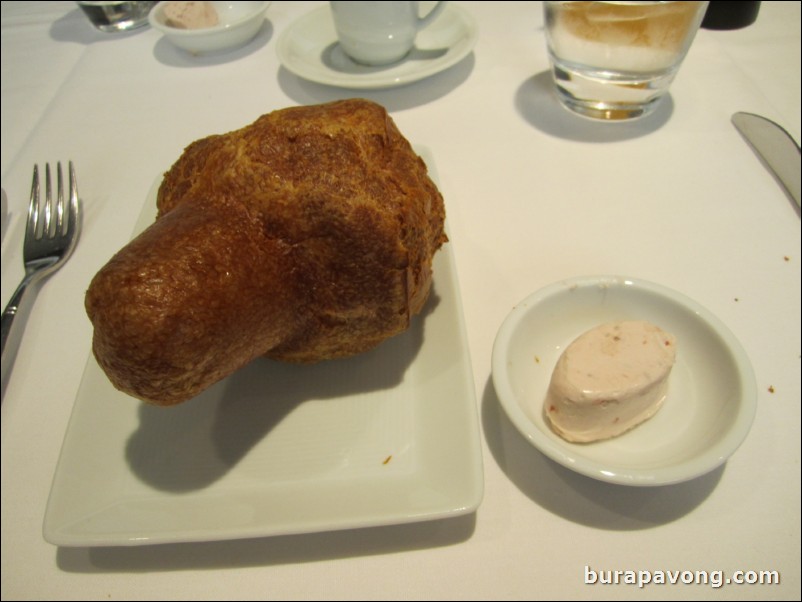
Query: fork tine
(45, 231)
(33, 207)
(59, 229)
(73, 216)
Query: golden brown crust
(305, 236)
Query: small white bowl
(712, 394)
(239, 24)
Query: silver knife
(775, 147)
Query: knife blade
(775, 147)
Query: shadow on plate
(335, 59)
(407, 96)
(269, 551)
(578, 498)
(192, 445)
(536, 101)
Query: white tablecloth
(533, 196)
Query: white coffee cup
(379, 33)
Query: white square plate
(386, 437)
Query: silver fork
(50, 236)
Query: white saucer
(309, 49)
(712, 395)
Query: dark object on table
(730, 15)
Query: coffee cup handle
(424, 21)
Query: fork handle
(10, 312)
